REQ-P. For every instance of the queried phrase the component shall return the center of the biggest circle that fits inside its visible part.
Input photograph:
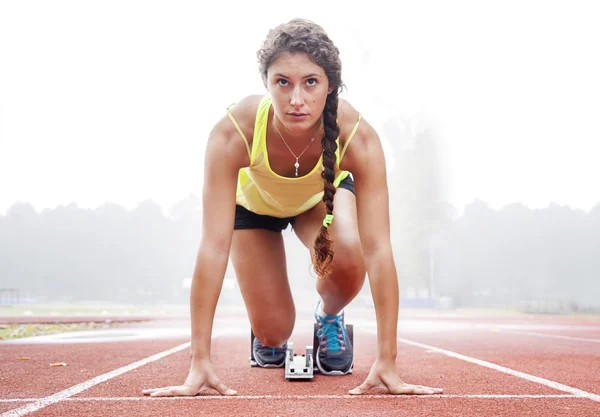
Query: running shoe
(268, 357)
(334, 355)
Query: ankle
(322, 311)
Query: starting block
(299, 367)
(296, 367)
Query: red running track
(495, 370)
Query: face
(299, 89)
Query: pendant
(297, 165)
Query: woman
(264, 170)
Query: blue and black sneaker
(268, 357)
(334, 355)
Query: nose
(296, 99)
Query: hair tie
(328, 220)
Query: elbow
(377, 249)
(214, 248)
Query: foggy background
(488, 114)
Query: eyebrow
(306, 76)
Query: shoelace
(334, 334)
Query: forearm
(206, 288)
(383, 281)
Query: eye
(282, 82)
(312, 82)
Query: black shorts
(245, 219)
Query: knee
(272, 337)
(274, 331)
(349, 265)
(274, 340)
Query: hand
(383, 374)
(201, 376)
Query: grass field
(92, 309)
(17, 331)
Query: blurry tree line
(511, 257)
(107, 254)
(113, 254)
(482, 258)
(517, 255)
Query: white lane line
(315, 397)
(298, 397)
(552, 384)
(76, 389)
(553, 336)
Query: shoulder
(225, 138)
(363, 140)
(226, 134)
(347, 117)
(244, 112)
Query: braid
(323, 243)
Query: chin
(299, 123)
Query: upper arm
(225, 155)
(366, 161)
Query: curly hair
(304, 36)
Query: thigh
(348, 255)
(258, 257)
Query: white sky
(113, 100)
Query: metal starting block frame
(299, 366)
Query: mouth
(298, 114)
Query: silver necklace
(297, 164)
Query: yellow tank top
(262, 191)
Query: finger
(420, 389)
(150, 391)
(413, 389)
(402, 388)
(174, 391)
(224, 390)
(364, 387)
(153, 390)
(162, 393)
